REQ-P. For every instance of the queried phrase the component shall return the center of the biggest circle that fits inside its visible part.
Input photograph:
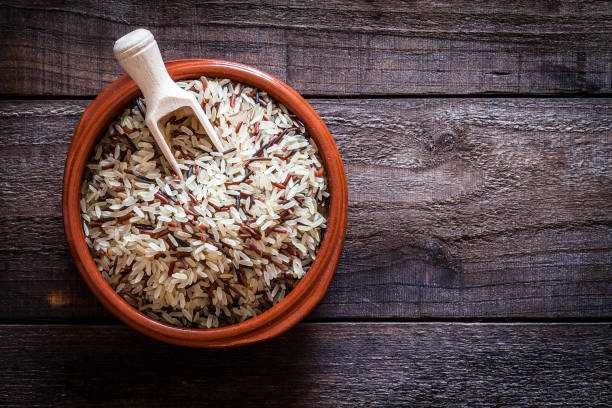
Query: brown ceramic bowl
(300, 301)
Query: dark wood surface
(464, 206)
(326, 48)
(459, 208)
(335, 365)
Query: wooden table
(477, 267)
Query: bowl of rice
(238, 248)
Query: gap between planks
(100, 322)
(483, 95)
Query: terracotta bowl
(299, 302)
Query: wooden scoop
(139, 55)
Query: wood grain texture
(340, 365)
(459, 208)
(336, 48)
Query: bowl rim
(307, 293)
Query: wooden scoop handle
(139, 55)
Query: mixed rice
(229, 240)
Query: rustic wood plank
(459, 208)
(341, 365)
(354, 48)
